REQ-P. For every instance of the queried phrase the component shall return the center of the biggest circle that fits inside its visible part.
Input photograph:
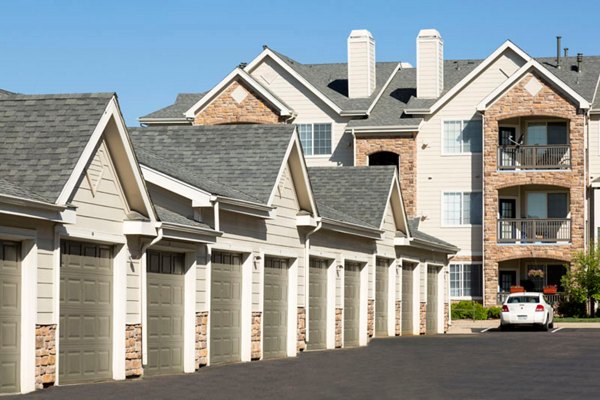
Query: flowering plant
(535, 273)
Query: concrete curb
(467, 326)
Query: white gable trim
(199, 197)
(284, 111)
(516, 77)
(396, 69)
(268, 53)
(460, 85)
(112, 110)
(294, 145)
(395, 188)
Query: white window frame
(462, 127)
(462, 194)
(312, 125)
(462, 280)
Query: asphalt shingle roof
(356, 195)
(8, 188)
(173, 217)
(183, 102)
(413, 224)
(244, 158)
(43, 137)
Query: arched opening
(384, 158)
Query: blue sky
(148, 51)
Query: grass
(574, 319)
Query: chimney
(430, 64)
(361, 64)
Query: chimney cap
(429, 33)
(360, 33)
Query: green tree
(582, 280)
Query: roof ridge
(56, 96)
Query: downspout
(353, 147)
(144, 294)
(307, 274)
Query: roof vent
(361, 64)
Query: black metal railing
(550, 298)
(534, 230)
(556, 156)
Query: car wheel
(545, 324)
(505, 327)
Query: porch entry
(506, 279)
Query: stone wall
(339, 319)
(519, 102)
(423, 318)
(201, 339)
(45, 355)
(446, 317)
(398, 324)
(301, 346)
(133, 350)
(237, 104)
(256, 334)
(371, 318)
(406, 148)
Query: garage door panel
(225, 313)
(165, 283)
(9, 376)
(351, 304)
(275, 307)
(432, 299)
(381, 296)
(85, 312)
(407, 299)
(317, 293)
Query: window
(465, 280)
(460, 137)
(461, 208)
(544, 133)
(315, 138)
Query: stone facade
(398, 324)
(226, 109)
(423, 318)
(446, 317)
(133, 350)
(256, 333)
(45, 355)
(201, 339)
(339, 319)
(406, 148)
(301, 345)
(546, 103)
(371, 318)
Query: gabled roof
(175, 111)
(244, 158)
(5, 92)
(173, 217)
(424, 238)
(11, 189)
(239, 74)
(357, 195)
(43, 137)
(533, 65)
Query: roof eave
(351, 229)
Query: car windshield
(523, 299)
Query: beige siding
(440, 173)
(594, 149)
(361, 66)
(310, 109)
(429, 64)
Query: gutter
(164, 121)
(21, 201)
(371, 233)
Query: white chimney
(430, 64)
(361, 64)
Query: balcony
(534, 230)
(534, 157)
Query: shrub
(572, 308)
(494, 312)
(469, 310)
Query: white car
(527, 308)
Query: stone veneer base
(45, 356)
(133, 351)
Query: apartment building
(498, 156)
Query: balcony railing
(557, 156)
(532, 230)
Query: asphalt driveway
(490, 365)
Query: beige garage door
(10, 295)
(432, 299)
(85, 312)
(165, 295)
(407, 298)
(275, 308)
(225, 309)
(351, 304)
(317, 298)
(381, 297)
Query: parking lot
(521, 364)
